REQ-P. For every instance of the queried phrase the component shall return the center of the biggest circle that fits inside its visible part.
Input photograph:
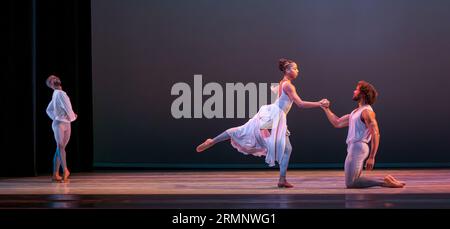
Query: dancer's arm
(335, 120)
(372, 125)
(292, 93)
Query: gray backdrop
(141, 48)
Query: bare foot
(392, 183)
(66, 175)
(285, 184)
(205, 145)
(395, 180)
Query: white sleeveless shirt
(357, 130)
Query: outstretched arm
(372, 125)
(292, 93)
(337, 122)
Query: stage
(230, 189)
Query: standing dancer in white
(254, 137)
(60, 111)
(363, 128)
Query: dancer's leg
(62, 147)
(391, 178)
(210, 142)
(66, 138)
(357, 153)
(62, 136)
(354, 163)
(221, 137)
(58, 135)
(284, 165)
(56, 163)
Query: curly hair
(368, 91)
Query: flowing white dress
(254, 137)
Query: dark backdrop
(400, 46)
(43, 38)
(140, 49)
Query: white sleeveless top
(283, 101)
(357, 130)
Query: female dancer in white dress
(254, 137)
(60, 111)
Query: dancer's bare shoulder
(369, 116)
(288, 87)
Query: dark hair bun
(283, 63)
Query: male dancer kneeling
(363, 128)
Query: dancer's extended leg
(210, 142)
(59, 135)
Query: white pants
(354, 163)
(61, 131)
(285, 159)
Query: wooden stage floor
(249, 189)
